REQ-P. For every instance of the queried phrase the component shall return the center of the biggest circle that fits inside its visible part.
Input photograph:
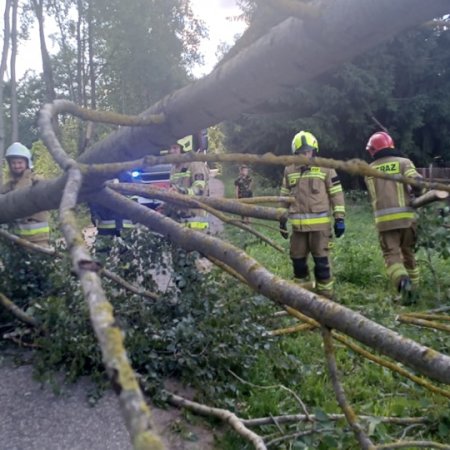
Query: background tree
(14, 108)
(3, 63)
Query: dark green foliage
(404, 84)
(197, 330)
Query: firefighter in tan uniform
(318, 197)
(191, 179)
(33, 228)
(394, 217)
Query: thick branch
(190, 202)
(134, 409)
(328, 313)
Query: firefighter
(394, 217)
(318, 197)
(243, 186)
(190, 178)
(108, 222)
(34, 228)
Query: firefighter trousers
(318, 244)
(398, 253)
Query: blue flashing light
(135, 173)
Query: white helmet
(18, 150)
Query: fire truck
(159, 176)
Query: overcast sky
(214, 13)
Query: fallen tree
(271, 66)
(289, 54)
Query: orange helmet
(379, 141)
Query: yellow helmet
(304, 141)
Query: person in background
(394, 217)
(34, 228)
(243, 186)
(318, 196)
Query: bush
(193, 332)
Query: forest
(272, 363)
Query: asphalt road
(32, 417)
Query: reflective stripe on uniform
(414, 275)
(309, 219)
(31, 229)
(391, 214)
(396, 271)
(106, 224)
(335, 189)
(411, 172)
(179, 176)
(339, 209)
(293, 178)
(127, 224)
(319, 175)
(197, 222)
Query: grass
(297, 361)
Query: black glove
(339, 227)
(283, 228)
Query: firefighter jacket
(192, 179)
(108, 222)
(34, 228)
(391, 200)
(318, 196)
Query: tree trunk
(14, 109)
(80, 79)
(5, 49)
(60, 17)
(46, 62)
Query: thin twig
(18, 312)
(413, 444)
(275, 386)
(424, 323)
(298, 434)
(292, 418)
(223, 414)
(352, 419)
(291, 330)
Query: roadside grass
(295, 363)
